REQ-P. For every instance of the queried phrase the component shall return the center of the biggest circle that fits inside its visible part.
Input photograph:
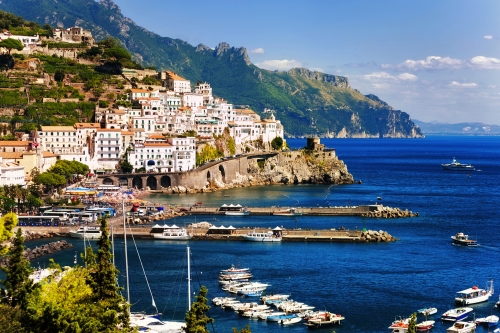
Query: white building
(28, 42)
(11, 174)
(108, 148)
(174, 82)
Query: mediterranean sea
(370, 284)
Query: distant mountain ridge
(307, 102)
(468, 128)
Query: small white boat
(456, 314)
(489, 321)
(288, 212)
(325, 318)
(425, 325)
(263, 236)
(457, 166)
(475, 295)
(173, 234)
(399, 325)
(234, 210)
(462, 327)
(427, 311)
(87, 233)
(290, 321)
(461, 239)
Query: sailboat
(143, 320)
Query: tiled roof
(11, 155)
(157, 144)
(87, 125)
(108, 130)
(58, 129)
(14, 143)
(46, 154)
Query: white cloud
(384, 76)
(280, 65)
(429, 63)
(259, 50)
(407, 77)
(456, 84)
(488, 37)
(481, 62)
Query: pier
(288, 235)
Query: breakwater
(289, 235)
(42, 250)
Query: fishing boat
(234, 210)
(260, 236)
(461, 239)
(400, 324)
(456, 314)
(288, 212)
(427, 311)
(425, 325)
(462, 327)
(475, 295)
(86, 233)
(325, 318)
(173, 233)
(457, 166)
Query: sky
(437, 60)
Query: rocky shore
(42, 250)
(391, 213)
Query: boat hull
(261, 239)
(456, 314)
(237, 213)
(163, 237)
(79, 235)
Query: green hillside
(306, 102)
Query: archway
(152, 183)
(208, 176)
(107, 181)
(137, 182)
(166, 181)
(222, 173)
(122, 181)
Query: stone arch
(166, 181)
(137, 182)
(222, 173)
(152, 183)
(209, 176)
(123, 181)
(107, 181)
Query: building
(29, 42)
(11, 174)
(174, 82)
(73, 35)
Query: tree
(7, 223)
(126, 166)
(17, 284)
(245, 329)
(11, 319)
(59, 75)
(117, 53)
(196, 319)
(412, 322)
(277, 143)
(50, 180)
(102, 281)
(11, 43)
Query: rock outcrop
(42, 250)
(376, 236)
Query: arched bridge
(225, 171)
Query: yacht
(457, 166)
(456, 314)
(173, 234)
(87, 233)
(462, 327)
(474, 294)
(263, 236)
(461, 239)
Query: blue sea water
(369, 284)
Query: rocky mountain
(307, 102)
(458, 129)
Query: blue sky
(437, 60)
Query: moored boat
(456, 314)
(457, 166)
(269, 236)
(427, 311)
(425, 325)
(288, 212)
(475, 295)
(325, 318)
(462, 327)
(489, 321)
(461, 239)
(173, 233)
(86, 232)
(290, 321)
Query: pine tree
(196, 319)
(412, 322)
(17, 284)
(102, 280)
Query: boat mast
(126, 257)
(189, 279)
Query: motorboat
(280, 317)
(86, 233)
(401, 325)
(462, 327)
(263, 316)
(288, 212)
(158, 325)
(234, 270)
(425, 325)
(457, 166)
(173, 234)
(290, 321)
(325, 318)
(475, 295)
(489, 321)
(461, 239)
(234, 210)
(263, 236)
(427, 311)
(456, 314)
(274, 299)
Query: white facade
(27, 41)
(108, 148)
(11, 174)
(192, 100)
(59, 140)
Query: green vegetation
(11, 44)
(196, 318)
(277, 143)
(208, 153)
